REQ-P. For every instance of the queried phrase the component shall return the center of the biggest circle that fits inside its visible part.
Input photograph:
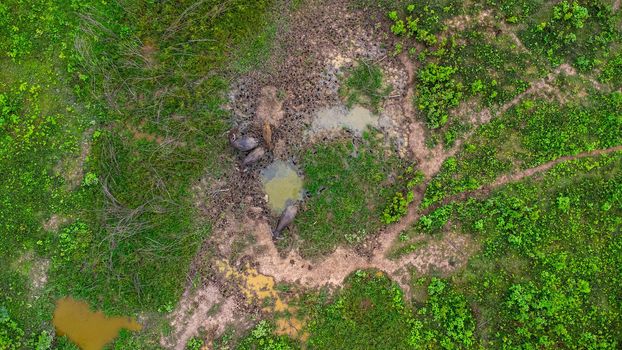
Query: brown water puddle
(90, 330)
(282, 185)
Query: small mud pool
(355, 119)
(90, 330)
(282, 185)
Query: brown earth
(207, 309)
(55, 222)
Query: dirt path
(430, 160)
(448, 253)
(195, 311)
(546, 166)
(334, 268)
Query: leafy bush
(194, 344)
(437, 92)
(398, 207)
(71, 246)
(434, 221)
(11, 335)
(411, 27)
(262, 338)
(578, 31)
(448, 317)
(612, 71)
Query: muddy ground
(313, 48)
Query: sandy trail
(445, 254)
(194, 312)
(333, 268)
(430, 160)
(502, 180)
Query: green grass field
(110, 113)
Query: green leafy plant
(73, 243)
(437, 92)
(194, 344)
(11, 335)
(262, 337)
(398, 207)
(577, 30)
(449, 317)
(612, 71)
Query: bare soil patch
(206, 309)
(55, 222)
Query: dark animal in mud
(287, 217)
(254, 156)
(243, 143)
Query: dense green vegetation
(261, 338)
(538, 281)
(398, 206)
(437, 92)
(369, 313)
(578, 32)
(463, 60)
(530, 134)
(91, 72)
(612, 71)
(548, 272)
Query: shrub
(262, 338)
(437, 92)
(578, 31)
(398, 207)
(11, 335)
(612, 71)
